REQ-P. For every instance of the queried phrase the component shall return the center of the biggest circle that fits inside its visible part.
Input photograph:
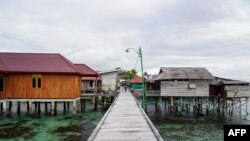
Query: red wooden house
(39, 77)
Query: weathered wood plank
(125, 121)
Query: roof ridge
(69, 63)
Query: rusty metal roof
(36, 63)
(175, 73)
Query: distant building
(184, 81)
(222, 87)
(136, 83)
(91, 81)
(111, 80)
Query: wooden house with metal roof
(184, 81)
(39, 77)
(222, 87)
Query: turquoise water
(192, 127)
(43, 127)
(69, 127)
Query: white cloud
(213, 34)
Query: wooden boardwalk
(125, 121)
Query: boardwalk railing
(125, 120)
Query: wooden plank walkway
(125, 121)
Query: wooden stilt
(74, 107)
(68, 105)
(7, 107)
(30, 107)
(18, 107)
(81, 101)
(84, 103)
(1, 106)
(39, 107)
(46, 107)
(64, 107)
(172, 101)
(159, 104)
(240, 106)
(55, 107)
(246, 106)
(35, 106)
(95, 102)
(165, 101)
(52, 107)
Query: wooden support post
(18, 107)
(39, 107)
(219, 105)
(35, 106)
(74, 107)
(10, 106)
(4, 106)
(30, 107)
(64, 107)
(105, 102)
(96, 102)
(81, 102)
(165, 100)
(84, 103)
(159, 104)
(7, 107)
(78, 105)
(68, 105)
(52, 107)
(55, 107)
(156, 108)
(172, 101)
(240, 106)
(1, 106)
(46, 107)
(246, 106)
(232, 106)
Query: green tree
(130, 74)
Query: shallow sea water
(192, 127)
(67, 127)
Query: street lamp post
(143, 104)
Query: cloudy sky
(193, 33)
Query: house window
(1, 84)
(191, 84)
(91, 83)
(36, 81)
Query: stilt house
(222, 87)
(184, 81)
(38, 76)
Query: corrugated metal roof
(230, 81)
(170, 73)
(86, 70)
(35, 63)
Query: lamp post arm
(133, 50)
